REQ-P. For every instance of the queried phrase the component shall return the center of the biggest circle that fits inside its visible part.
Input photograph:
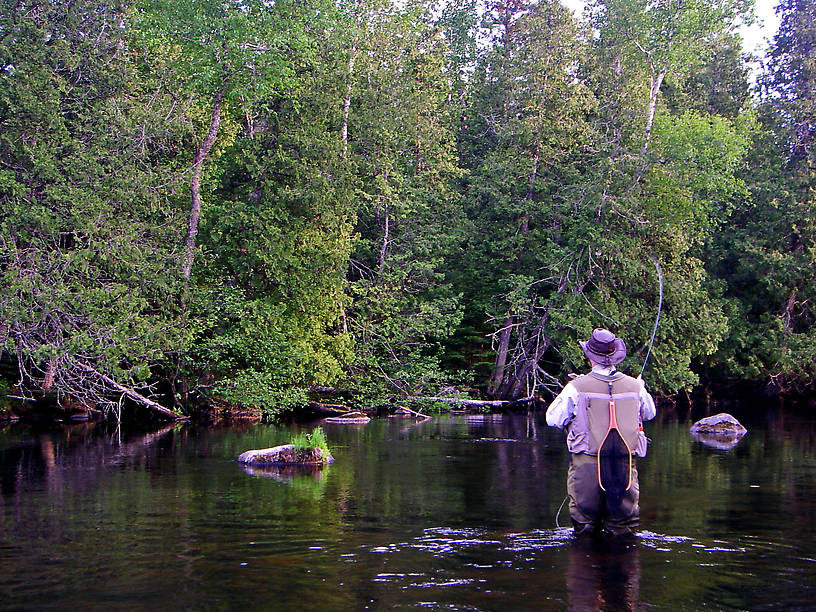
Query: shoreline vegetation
(215, 210)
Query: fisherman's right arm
(562, 409)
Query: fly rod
(659, 308)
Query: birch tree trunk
(657, 81)
(384, 245)
(347, 100)
(195, 182)
(344, 141)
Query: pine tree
(89, 301)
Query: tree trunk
(347, 101)
(513, 385)
(501, 358)
(498, 375)
(512, 382)
(524, 228)
(384, 246)
(787, 313)
(534, 174)
(50, 374)
(344, 140)
(195, 182)
(657, 81)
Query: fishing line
(557, 514)
(659, 308)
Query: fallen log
(130, 393)
(418, 415)
(322, 408)
(474, 402)
(354, 417)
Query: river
(454, 513)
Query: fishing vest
(591, 422)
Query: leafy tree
(620, 186)
(89, 299)
(527, 130)
(662, 38)
(403, 157)
(792, 72)
(770, 241)
(224, 55)
(277, 242)
(669, 175)
(719, 87)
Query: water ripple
(445, 541)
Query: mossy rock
(286, 454)
(721, 431)
(722, 423)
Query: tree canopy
(237, 203)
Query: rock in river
(349, 418)
(720, 431)
(285, 454)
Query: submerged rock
(721, 431)
(285, 454)
(348, 418)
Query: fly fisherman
(603, 413)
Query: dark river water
(456, 513)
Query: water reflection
(603, 575)
(717, 441)
(454, 513)
(73, 455)
(285, 473)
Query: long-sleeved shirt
(562, 409)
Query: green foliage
(315, 439)
(408, 217)
(86, 239)
(276, 222)
(261, 390)
(211, 44)
(570, 201)
(399, 199)
(760, 256)
(720, 87)
(669, 35)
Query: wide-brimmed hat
(604, 348)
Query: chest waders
(613, 454)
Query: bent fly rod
(614, 453)
(659, 308)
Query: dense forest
(238, 203)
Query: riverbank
(703, 401)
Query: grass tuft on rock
(317, 438)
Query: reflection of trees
(311, 479)
(72, 457)
(153, 515)
(690, 489)
(467, 469)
